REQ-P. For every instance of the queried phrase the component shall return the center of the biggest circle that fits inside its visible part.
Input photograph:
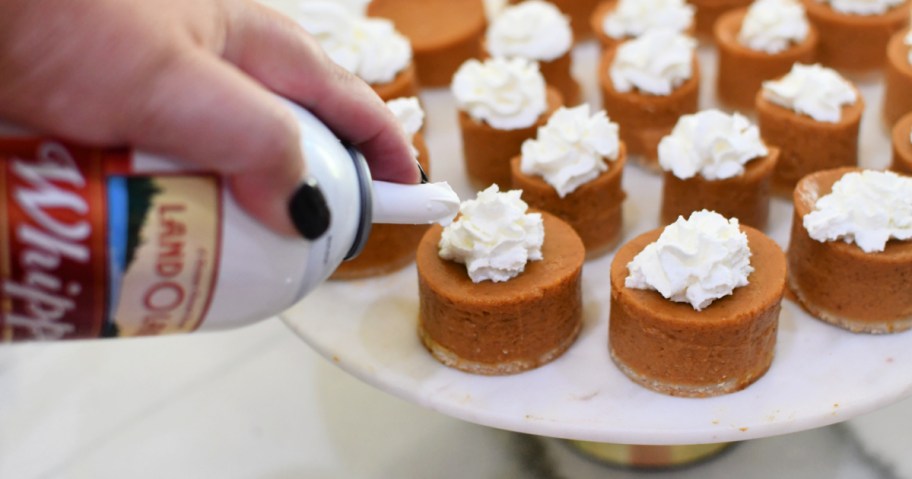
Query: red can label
(90, 249)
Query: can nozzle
(424, 203)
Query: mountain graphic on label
(164, 239)
(130, 200)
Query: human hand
(191, 80)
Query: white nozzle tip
(426, 203)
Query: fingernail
(308, 210)
(424, 176)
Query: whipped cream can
(118, 243)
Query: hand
(190, 80)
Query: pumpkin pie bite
(716, 161)
(695, 306)
(647, 83)
(760, 43)
(812, 115)
(854, 34)
(850, 254)
(615, 21)
(538, 31)
(902, 145)
(501, 103)
(573, 169)
(443, 33)
(370, 48)
(500, 289)
(898, 78)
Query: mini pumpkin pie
(615, 21)
(813, 116)
(443, 33)
(573, 169)
(538, 31)
(717, 162)
(371, 48)
(757, 44)
(898, 77)
(647, 83)
(501, 104)
(515, 302)
(902, 145)
(391, 247)
(850, 254)
(854, 34)
(676, 326)
(709, 11)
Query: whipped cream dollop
(332, 26)
(908, 42)
(862, 7)
(290, 7)
(410, 115)
(371, 48)
(867, 208)
(632, 18)
(507, 94)
(711, 143)
(812, 90)
(493, 8)
(494, 236)
(533, 29)
(655, 63)
(571, 149)
(696, 261)
(772, 26)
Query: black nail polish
(308, 210)
(424, 176)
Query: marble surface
(820, 375)
(259, 403)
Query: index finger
(280, 54)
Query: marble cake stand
(820, 375)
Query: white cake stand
(820, 375)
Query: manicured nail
(424, 176)
(309, 211)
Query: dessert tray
(820, 375)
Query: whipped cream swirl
(812, 90)
(507, 94)
(772, 26)
(908, 42)
(533, 29)
(632, 18)
(410, 115)
(371, 48)
(696, 261)
(494, 236)
(571, 148)
(493, 8)
(862, 7)
(291, 7)
(655, 63)
(710, 143)
(867, 208)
